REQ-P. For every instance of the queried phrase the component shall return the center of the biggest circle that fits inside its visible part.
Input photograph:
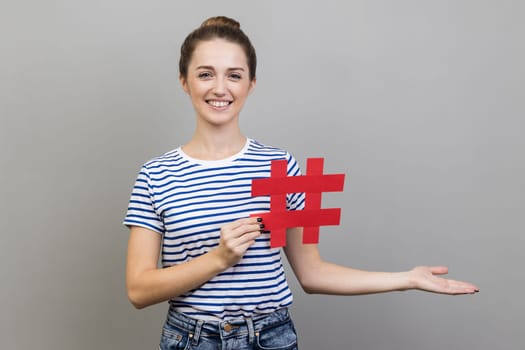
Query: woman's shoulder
(172, 158)
(263, 152)
(264, 149)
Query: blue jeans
(274, 331)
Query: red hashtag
(312, 184)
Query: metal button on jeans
(227, 327)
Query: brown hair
(217, 27)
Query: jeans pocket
(173, 339)
(280, 337)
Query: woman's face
(218, 81)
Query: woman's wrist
(219, 261)
(406, 281)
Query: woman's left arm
(320, 277)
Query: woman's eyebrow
(212, 68)
(205, 67)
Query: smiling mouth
(218, 104)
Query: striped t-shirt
(189, 200)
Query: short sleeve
(295, 201)
(141, 207)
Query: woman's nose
(219, 88)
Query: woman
(225, 285)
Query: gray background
(420, 103)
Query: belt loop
(251, 331)
(198, 328)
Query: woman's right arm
(147, 284)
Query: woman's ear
(184, 84)
(252, 85)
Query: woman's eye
(204, 75)
(235, 76)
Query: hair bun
(221, 21)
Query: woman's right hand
(236, 237)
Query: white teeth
(219, 103)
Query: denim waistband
(230, 328)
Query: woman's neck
(215, 146)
